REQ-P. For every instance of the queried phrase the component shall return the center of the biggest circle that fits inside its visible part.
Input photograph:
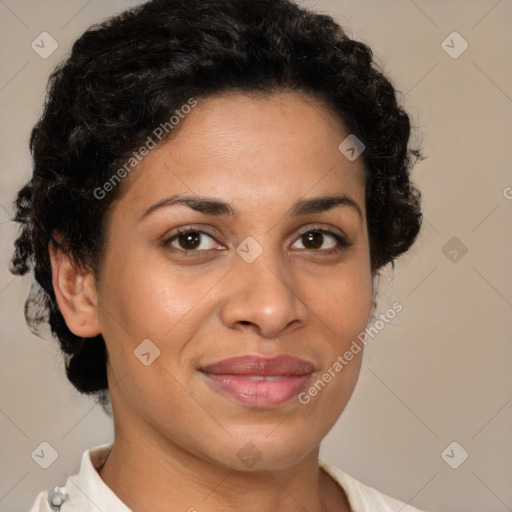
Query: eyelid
(322, 228)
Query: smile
(259, 382)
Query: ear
(76, 294)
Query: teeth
(270, 378)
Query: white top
(87, 492)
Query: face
(251, 268)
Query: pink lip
(244, 378)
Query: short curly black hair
(125, 76)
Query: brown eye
(321, 240)
(191, 241)
(312, 240)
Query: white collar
(87, 491)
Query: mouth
(259, 382)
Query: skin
(176, 437)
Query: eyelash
(342, 242)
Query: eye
(322, 240)
(191, 240)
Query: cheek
(343, 301)
(147, 299)
(345, 316)
(148, 310)
(154, 302)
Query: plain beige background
(438, 373)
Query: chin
(264, 452)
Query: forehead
(248, 149)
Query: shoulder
(363, 498)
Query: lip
(245, 378)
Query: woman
(216, 186)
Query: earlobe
(76, 294)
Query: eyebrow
(211, 206)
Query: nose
(264, 296)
